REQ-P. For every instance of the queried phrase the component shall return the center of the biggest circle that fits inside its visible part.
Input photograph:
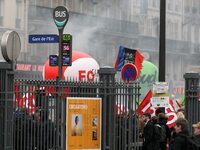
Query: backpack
(156, 132)
(163, 133)
(159, 133)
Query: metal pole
(57, 114)
(59, 89)
(26, 10)
(60, 54)
(107, 76)
(162, 52)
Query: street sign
(53, 60)
(66, 49)
(66, 61)
(45, 38)
(60, 16)
(129, 72)
(66, 38)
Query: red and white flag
(146, 106)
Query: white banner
(160, 87)
(160, 101)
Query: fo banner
(83, 124)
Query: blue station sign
(45, 38)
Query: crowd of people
(157, 135)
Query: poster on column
(83, 123)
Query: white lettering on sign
(49, 38)
(24, 67)
(29, 67)
(60, 14)
(40, 68)
(78, 106)
(35, 39)
(42, 39)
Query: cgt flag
(127, 55)
(146, 106)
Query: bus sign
(61, 16)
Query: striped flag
(146, 106)
(127, 55)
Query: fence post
(192, 104)
(107, 77)
(6, 106)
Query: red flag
(145, 105)
(27, 100)
(170, 112)
(128, 55)
(138, 61)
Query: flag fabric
(138, 61)
(25, 100)
(127, 55)
(171, 113)
(146, 106)
(176, 104)
(120, 59)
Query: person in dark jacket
(163, 123)
(194, 141)
(196, 137)
(180, 140)
(148, 140)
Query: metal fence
(192, 98)
(38, 112)
(6, 106)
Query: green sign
(66, 49)
(66, 38)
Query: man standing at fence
(196, 132)
(194, 141)
(148, 143)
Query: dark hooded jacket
(162, 122)
(196, 139)
(194, 142)
(149, 143)
(180, 141)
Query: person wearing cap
(194, 140)
(196, 137)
